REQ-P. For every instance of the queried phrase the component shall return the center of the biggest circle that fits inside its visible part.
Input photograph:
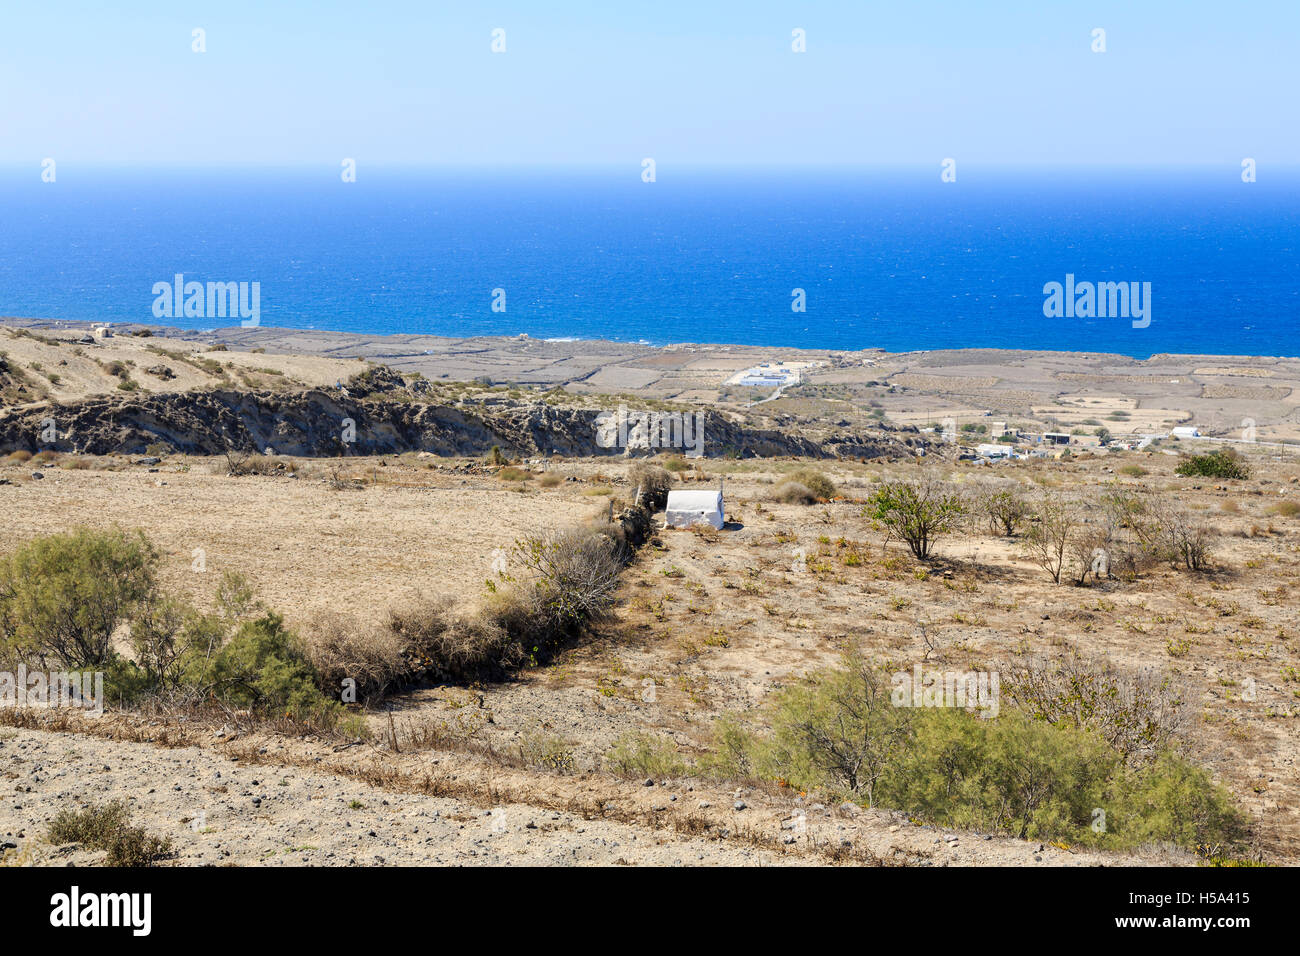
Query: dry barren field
(704, 624)
(308, 546)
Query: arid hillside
(620, 724)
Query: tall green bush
(63, 596)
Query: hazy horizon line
(636, 162)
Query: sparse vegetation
(840, 731)
(652, 483)
(793, 493)
(108, 827)
(1005, 508)
(1225, 464)
(916, 512)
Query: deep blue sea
(893, 259)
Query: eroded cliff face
(318, 423)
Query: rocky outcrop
(319, 422)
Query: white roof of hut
(686, 508)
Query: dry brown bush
(342, 647)
(439, 641)
(1173, 534)
(792, 493)
(1139, 714)
(652, 482)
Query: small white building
(686, 508)
(993, 451)
(1186, 431)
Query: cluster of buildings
(1011, 443)
(772, 374)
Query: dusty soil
(705, 623)
(709, 623)
(406, 530)
(268, 800)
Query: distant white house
(686, 508)
(993, 451)
(1186, 431)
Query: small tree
(917, 512)
(1048, 538)
(64, 595)
(1005, 509)
(1092, 552)
(1175, 536)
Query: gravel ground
(217, 812)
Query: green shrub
(733, 752)
(837, 729)
(1225, 463)
(840, 732)
(645, 755)
(107, 827)
(263, 668)
(1011, 774)
(1174, 801)
(62, 596)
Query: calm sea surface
(890, 259)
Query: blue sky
(1182, 82)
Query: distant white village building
(686, 508)
(993, 451)
(1186, 431)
